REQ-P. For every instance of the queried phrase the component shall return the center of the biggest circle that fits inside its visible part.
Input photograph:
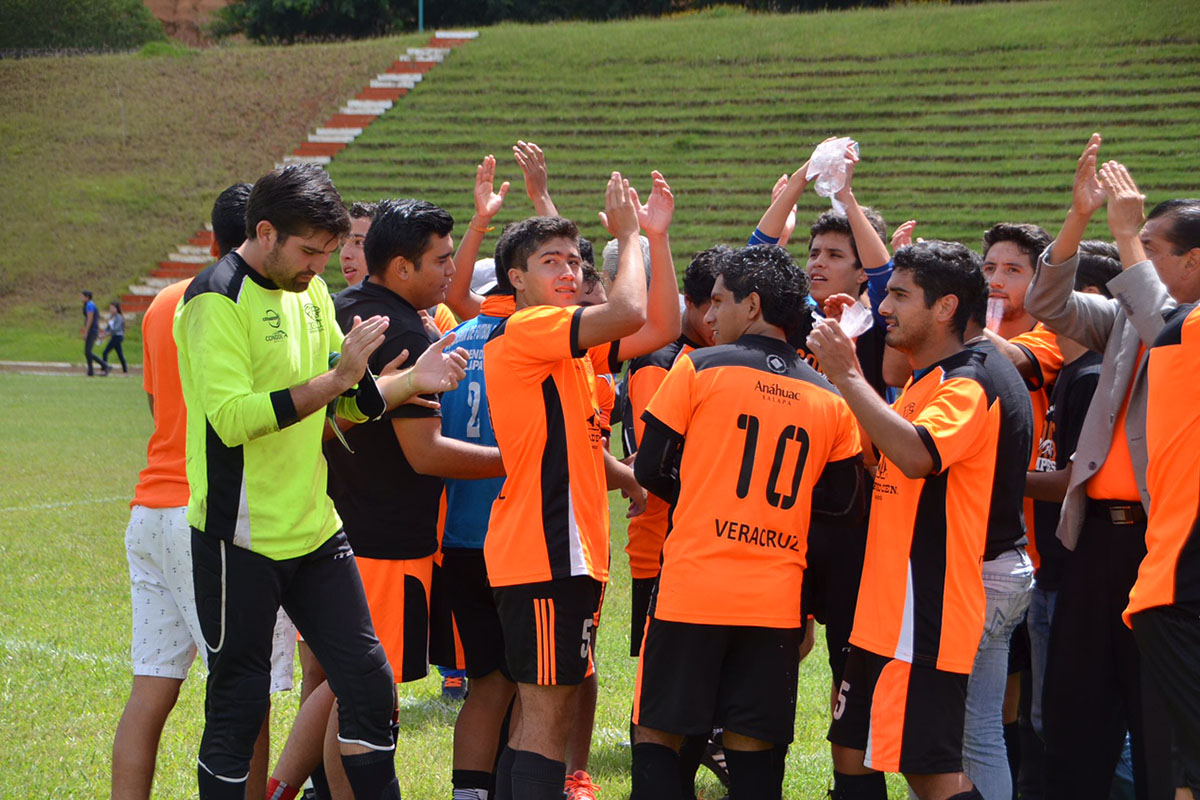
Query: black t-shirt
(868, 347)
(1006, 520)
(389, 510)
(1069, 403)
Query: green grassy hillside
(108, 162)
(966, 115)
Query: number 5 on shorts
(840, 708)
(587, 637)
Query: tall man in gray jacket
(1093, 690)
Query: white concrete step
(191, 258)
(339, 132)
(324, 138)
(456, 35)
(318, 160)
(366, 106)
(193, 249)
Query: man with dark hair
(387, 482)
(256, 339)
(1091, 653)
(354, 265)
(901, 702)
(229, 219)
(166, 629)
(722, 642)
(547, 543)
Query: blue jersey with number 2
(465, 417)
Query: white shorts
(158, 543)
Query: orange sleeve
(444, 319)
(642, 386)
(672, 403)
(952, 420)
(539, 337)
(1042, 346)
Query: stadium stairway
(323, 145)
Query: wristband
(486, 229)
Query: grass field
(966, 115)
(72, 451)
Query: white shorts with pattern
(158, 543)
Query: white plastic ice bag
(856, 320)
(828, 166)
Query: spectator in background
(89, 332)
(115, 330)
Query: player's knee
(366, 703)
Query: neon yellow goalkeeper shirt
(255, 470)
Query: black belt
(1116, 512)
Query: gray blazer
(1115, 328)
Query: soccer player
(256, 335)
(158, 543)
(354, 264)
(465, 416)
(547, 545)
(722, 642)
(847, 258)
(1092, 653)
(1164, 603)
(901, 702)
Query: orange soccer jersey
(648, 530)
(163, 483)
(1170, 572)
(921, 598)
(1041, 345)
(551, 518)
(759, 426)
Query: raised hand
(532, 162)
(1087, 194)
(834, 349)
(437, 370)
(655, 216)
(789, 224)
(393, 369)
(852, 158)
(903, 235)
(363, 339)
(620, 207)
(488, 201)
(1126, 204)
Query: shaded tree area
(297, 20)
(33, 26)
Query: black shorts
(445, 646)
(468, 596)
(1168, 638)
(907, 717)
(830, 591)
(548, 629)
(693, 677)
(639, 612)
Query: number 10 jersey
(758, 426)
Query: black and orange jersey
(550, 520)
(868, 348)
(1041, 346)
(1006, 519)
(605, 364)
(1170, 572)
(921, 598)
(648, 530)
(757, 427)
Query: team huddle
(966, 467)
